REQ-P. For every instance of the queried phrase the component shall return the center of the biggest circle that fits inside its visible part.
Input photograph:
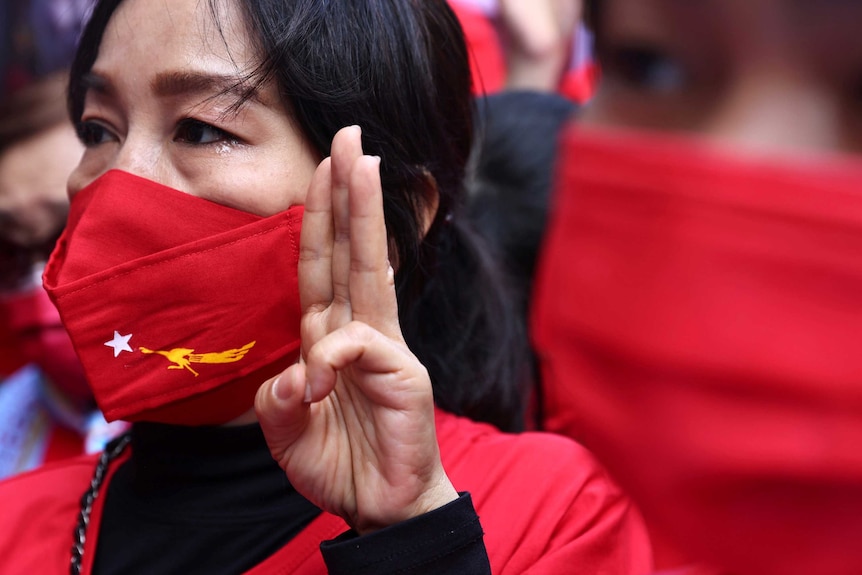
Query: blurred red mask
(699, 319)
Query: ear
(430, 205)
(431, 201)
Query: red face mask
(179, 308)
(699, 318)
(34, 325)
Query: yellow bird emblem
(182, 358)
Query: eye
(93, 134)
(190, 131)
(646, 69)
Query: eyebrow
(182, 83)
(167, 84)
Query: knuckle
(362, 267)
(340, 297)
(313, 254)
(359, 331)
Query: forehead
(145, 36)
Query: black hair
(510, 183)
(399, 69)
(512, 171)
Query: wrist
(437, 494)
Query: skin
(538, 40)
(33, 174)
(764, 77)
(142, 117)
(351, 424)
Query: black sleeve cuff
(445, 541)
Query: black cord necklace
(113, 450)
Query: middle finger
(346, 149)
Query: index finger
(315, 242)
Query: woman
(185, 282)
(46, 409)
(519, 45)
(699, 303)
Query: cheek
(617, 107)
(88, 170)
(260, 185)
(288, 174)
(300, 181)
(299, 160)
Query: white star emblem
(120, 343)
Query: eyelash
(184, 133)
(92, 133)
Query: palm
(364, 448)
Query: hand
(352, 424)
(537, 38)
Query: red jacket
(545, 505)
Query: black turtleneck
(212, 500)
(197, 500)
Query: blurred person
(537, 38)
(487, 63)
(699, 308)
(529, 45)
(46, 409)
(248, 280)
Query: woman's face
(160, 104)
(33, 202)
(763, 75)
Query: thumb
(282, 409)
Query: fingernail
(307, 398)
(280, 390)
(356, 128)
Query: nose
(778, 111)
(137, 153)
(142, 155)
